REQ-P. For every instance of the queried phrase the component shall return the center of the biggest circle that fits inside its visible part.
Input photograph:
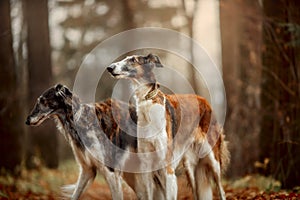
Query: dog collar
(153, 92)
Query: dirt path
(101, 192)
(44, 184)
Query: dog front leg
(171, 185)
(114, 182)
(144, 186)
(167, 183)
(148, 186)
(86, 176)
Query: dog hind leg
(216, 172)
(190, 172)
(203, 185)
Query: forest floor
(45, 184)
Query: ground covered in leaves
(45, 184)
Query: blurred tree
(128, 14)
(11, 111)
(43, 139)
(241, 39)
(280, 139)
(190, 16)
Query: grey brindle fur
(79, 123)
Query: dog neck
(146, 91)
(65, 120)
(70, 106)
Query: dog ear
(63, 91)
(154, 59)
(58, 87)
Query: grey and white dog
(80, 123)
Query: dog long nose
(27, 121)
(111, 68)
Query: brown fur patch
(187, 108)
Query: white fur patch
(152, 135)
(151, 120)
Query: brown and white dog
(186, 119)
(80, 123)
(152, 133)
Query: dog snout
(111, 68)
(27, 122)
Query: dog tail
(67, 191)
(215, 135)
(224, 153)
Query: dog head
(135, 67)
(52, 102)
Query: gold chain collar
(153, 92)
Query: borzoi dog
(188, 117)
(152, 132)
(79, 124)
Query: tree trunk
(190, 28)
(280, 91)
(11, 111)
(240, 28)
(43, 139)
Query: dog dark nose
(111, 68)
(27, 121)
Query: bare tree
(42, 140)
(190, 16)
(241, 39)
(11, 110)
